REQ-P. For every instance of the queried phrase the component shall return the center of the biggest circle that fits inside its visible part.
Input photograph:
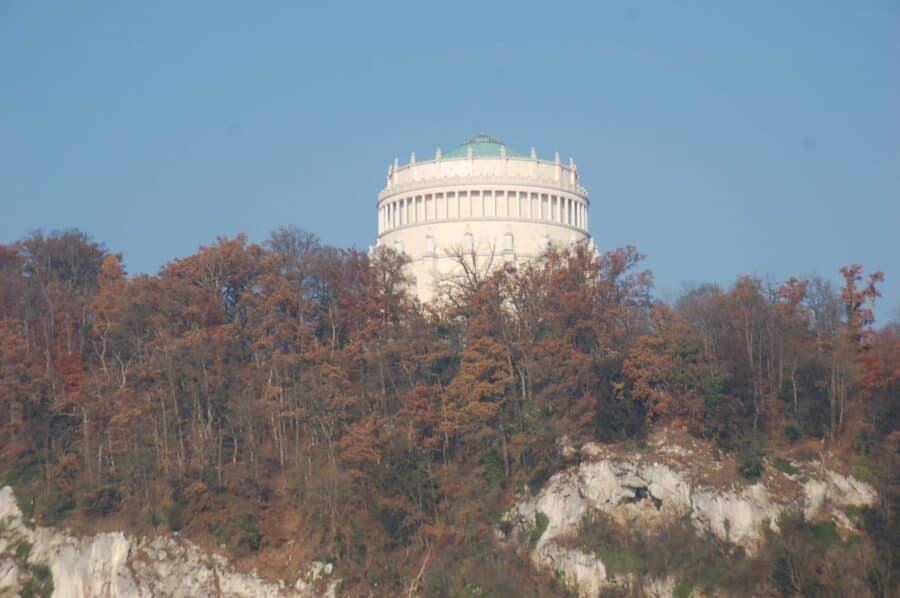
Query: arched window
(429, 244)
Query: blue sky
(720, 138)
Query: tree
(794, 338)
(858, 315)
(63, 256)
(476, 394)
(665, 366)
(22, 387)
(844, 344)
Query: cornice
(461, 182)
(432, 223)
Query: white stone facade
(493, 205)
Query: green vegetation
(674, 550)
(854, 514)
(21, 478)
(619, 560)
(792, 433)
(536, 529)
(807, 554)
(240, 534)
(39, 585)
(783, 465)
(36, 580)
(825, 535)
(682, 590)
(862, 472)
(21, 549)
(751, 466)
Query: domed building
(477, 207)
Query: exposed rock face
(586, 569)
(112, 565)
(645, 490)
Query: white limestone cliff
(114, 565)
(645, 490)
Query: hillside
(615, 520)
(538, 431)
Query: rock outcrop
(643, 490)
(114, 565)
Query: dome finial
(482, 145)
(482, 138)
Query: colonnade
(482, 204)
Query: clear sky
(721, 138)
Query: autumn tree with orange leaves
(287, 397)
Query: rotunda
(477, 207)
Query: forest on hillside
(291, 398)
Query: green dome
(483, 146)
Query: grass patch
(599, 535)
(784, 466)
(862, 472)
(854, 514)
(26, 503)
(39, 585)
(596, 530)
(825, 535)
(619, 560)
(534, 531)
(819, 536)
(21, 551)
(683, 589)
